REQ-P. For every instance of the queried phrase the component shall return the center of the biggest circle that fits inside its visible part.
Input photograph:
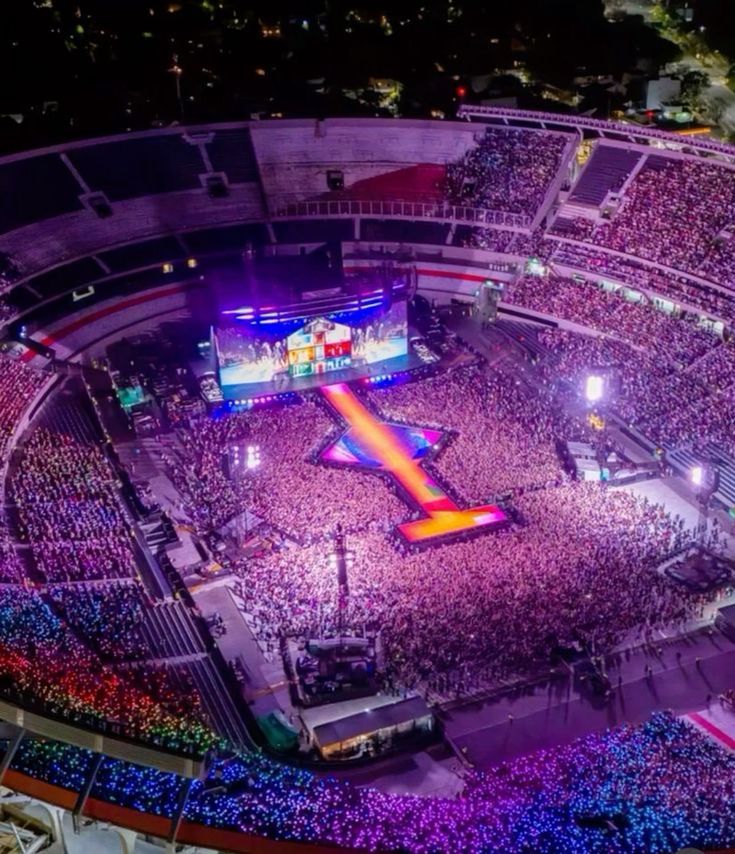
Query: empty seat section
(35, 189)
(21, 298)
(400, 231)
(225, 239)
(231, 151)
(314, 231)
(68, 276)
(463, 235)
(140, 167)
(658, 162)
(142, 254)
(421, 183)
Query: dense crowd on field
(497, 437)
(575, 565)
(11, 569)
(502, 435)
(580, 566)
(579, 561)
(289, 489)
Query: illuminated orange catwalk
(381, 442)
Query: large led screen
(252, 353)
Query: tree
(692, 84)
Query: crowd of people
(690, 407)
(674, 212)
(497, 437)
(675, 379)
(43, 664)
(501, 437)
(106, 616)
(629, 788)
(63, 645)
(288, 488)
(637, 274)
(677, 213)
(580, 564)
(508, 170)
(697, 407)
(669, 338)
(570, 358)
(69, 509)
(579, 560)
(576, 565)
(19, 384)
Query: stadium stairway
(170, 631)
(157, 531)
(523, 334)
(218, 704)
(606, 172)
(62, 417)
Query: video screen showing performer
(252, 354)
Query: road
(718, 100)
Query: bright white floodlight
(593, 389)
(253, 458)
(696, 475)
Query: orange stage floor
(382, 442)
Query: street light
(177, 71)
(252, 461)
(705, 478)
(341, 559)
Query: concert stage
(284, 383)
(397, 451)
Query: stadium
(370, 485)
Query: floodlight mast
(594, 388)
(705, 478)
(341, 560)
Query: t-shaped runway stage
(394, 449)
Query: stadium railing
(407, 210)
